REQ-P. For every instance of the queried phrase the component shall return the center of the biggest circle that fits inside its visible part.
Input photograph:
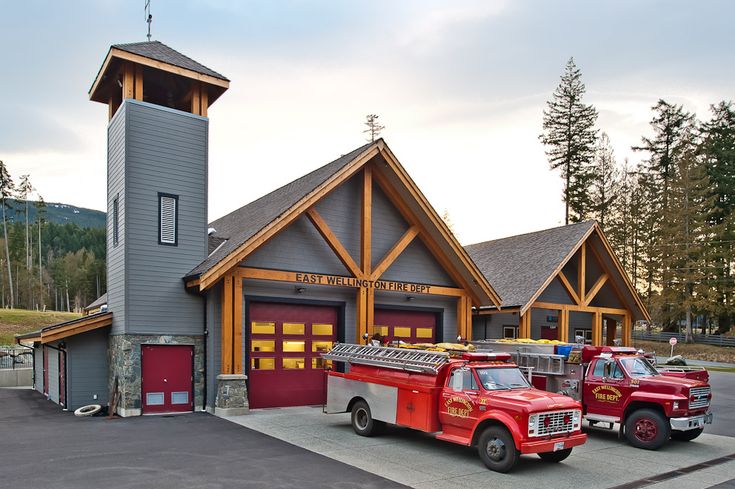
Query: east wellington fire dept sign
(337, 281)
(606, 393)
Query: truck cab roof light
(486, 357)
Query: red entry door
(407, 326)
(62, 378)
(45, 370)
(167, 378)
(285, 343)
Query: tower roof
(156, 50)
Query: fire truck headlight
(532, 419)
(676, 405)
(576, 416)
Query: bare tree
(373, 127)
(6, 191)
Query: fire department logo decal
(460, 412)
(606, 393)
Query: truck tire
(555, 457)
(362, 420)
(688, 435)
(497, 449)
(647, 429)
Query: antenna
(148, 18)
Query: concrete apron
(419, 460)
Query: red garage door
(284, 347)
(408, 326)
(167, 378)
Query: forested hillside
(56, 213)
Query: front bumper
(553, 444)
(691, 422)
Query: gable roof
(160, 52)
(521, 267)
(68, 328)
(99, 301)
(252, 225)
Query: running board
(602, 418)
(459, 440)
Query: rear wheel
(497, 449)
(362, 420)
(647, 429)
(555, 457)
(688, 435)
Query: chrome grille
(699, 397)
(552, 423)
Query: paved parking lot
(43, 447)
(419, 461)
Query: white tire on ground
(88, 410)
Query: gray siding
(165, 151)
(87, 368)
(416, 264)
(556, 293)
(214, 341)
(53, 374)
(298, 248)
(490, 326)
(341, 210)
(116, 188)
(388, 225)
(38, 368)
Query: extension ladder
(421, 361)
(541, 363)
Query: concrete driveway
(43, 447)
(419, 461)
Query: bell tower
(157, 156)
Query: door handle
(165, 380)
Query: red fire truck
(620, 385)
(474, 399)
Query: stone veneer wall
(124, 356)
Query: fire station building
(234, 314)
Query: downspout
(206, 374)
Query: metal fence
(13, 358)
(705, 339)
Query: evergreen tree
(24, 190)
(570, 136)
(6, 191)
(604, 181)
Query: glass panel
(320, 363)
(402, 332)
(263, 345)
(263, 328)
(321, 346)
(154, 398)
(424, 333)
(321, 329)
(264, 363)
(381, 330)
(290, 346)
(293, 363)
(293, 328)
(180, 397)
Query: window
(462, 379)
(510, 332)
(115, 220)
(168, 223)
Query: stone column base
(232, 395)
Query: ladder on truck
(420, 361)
(541, 363)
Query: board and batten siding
(38, 368)
(116, 189)
(490, 326)
(53, 374)
(165, 151)
(86, 366)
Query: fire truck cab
(475, 399)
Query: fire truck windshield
(493, 379)
(638, 367)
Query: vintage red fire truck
(619, 385)
(474, 399)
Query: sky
(459, 85)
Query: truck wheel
(648, 429)
(555, 457)
(497, 449)
(362, 420)
(688, 435)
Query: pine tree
(24, 190)
(373, 127)
(604, 181)
(40, 215)
(6, 191)
(718, 151)
(570, 136)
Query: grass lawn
(18, 321)
(693, 351)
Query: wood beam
(227, 326)
(568, 286)
(334, 243)
(607, 271)
(597, 328)
(524, 325)
(196, 91)
(361, 327)
(582, 271)
(484, 312)
(128, 82)
(579, 308)
(461, 320)
(627, 333)
(395, 252)
(366, 221)
(589, 297)
(204, 101)
(563, 325)
(138, 83)
(237, 322)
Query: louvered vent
(168, 219)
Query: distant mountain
(57, 213)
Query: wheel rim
(495, 449)
(361, 419)
(645, 429)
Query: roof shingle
(160, 52)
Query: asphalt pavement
(723, 404)
(43, 447)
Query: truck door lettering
(606, 393)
